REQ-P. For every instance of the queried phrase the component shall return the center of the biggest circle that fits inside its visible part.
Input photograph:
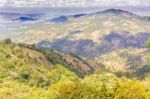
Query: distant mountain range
(88, 35)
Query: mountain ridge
(120, 11)
(101, 55)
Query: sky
(72, 3)
(140, 7)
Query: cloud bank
(72, 3)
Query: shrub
(25, 75)
(130, 90)
(7, 41)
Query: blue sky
(72, 3)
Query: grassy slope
(124, 58)
(92, 26)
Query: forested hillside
(32, 73)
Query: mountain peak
(122, 12)
(60, 19)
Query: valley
(100, 55)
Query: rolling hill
(94, 30)
(101, 55)
(90, 36)
(27, 72)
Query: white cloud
(72, 3)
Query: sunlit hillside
(29, 74)
(98, 55)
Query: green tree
(130, 90)
(7, 41)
